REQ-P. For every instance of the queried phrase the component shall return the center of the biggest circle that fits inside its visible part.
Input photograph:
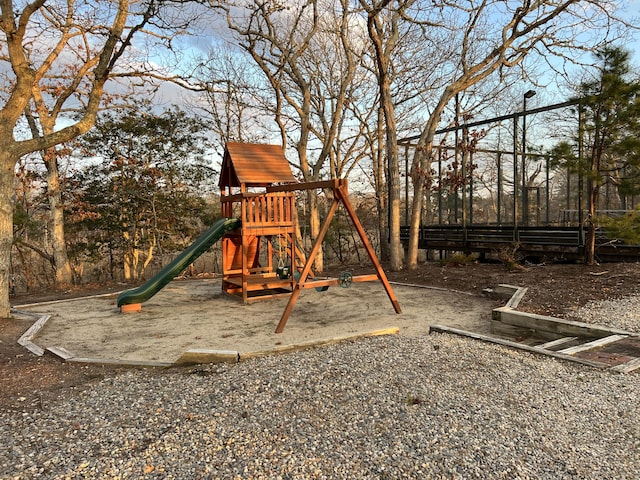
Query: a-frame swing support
(340, 195)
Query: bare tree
(384, 36)
(234, 97)
(494, 37)
(407, 65)
(308, 56)
(57, 57)
(61, 264)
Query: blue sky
(633, 7)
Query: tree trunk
(590, 241)
(396, 259)
(384, 36)
(382, 205)
(314, 228)
(297, 239)
(383, 60)
(383, 229)
(144, 264)
(414, 225)
(421, 171)
(7, 197)
(131, 259)
(62, 266)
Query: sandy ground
(195, 314)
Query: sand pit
(195, 314)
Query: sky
(633, 7)
(211, 30)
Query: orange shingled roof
(252, 164)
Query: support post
(307, 267)
(340, 194)
(344, 196)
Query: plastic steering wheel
(345, 279)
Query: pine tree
(611, 123)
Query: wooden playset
(258, 187)
(258, 194)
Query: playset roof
(254, 165)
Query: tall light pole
(515, 170)
(525, 194)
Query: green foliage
(22, 221)
(147, 189)
(612, 114)
(625, 228)
(564, 155)
(610, 106)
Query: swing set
(258, 187)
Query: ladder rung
(556, 343)
(627, 367)
(593, 344)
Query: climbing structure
(260, 258)
(257, 187)
(267, 222)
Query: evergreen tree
(609, 132)
(611, 108)
(147, 190)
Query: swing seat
(283, 273)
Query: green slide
(152, 286)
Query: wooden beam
(322, 282)
(556, 343)
(340, 194)
(343, 193)
(551, 327)
(601, 342)
(519, 346)
(307, 267)
(627, 367)
(365, 278)
(293, 187)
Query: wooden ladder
(617, 352)
(594, 348)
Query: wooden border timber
(577, 338)
(340, 195)
(507, 321)
(509, 343)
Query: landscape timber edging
(509, 321)
(190, 357)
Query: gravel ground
(437, 406)
(621, 313)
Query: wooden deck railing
(560, 241)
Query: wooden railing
(561, 241)
(260, 210)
